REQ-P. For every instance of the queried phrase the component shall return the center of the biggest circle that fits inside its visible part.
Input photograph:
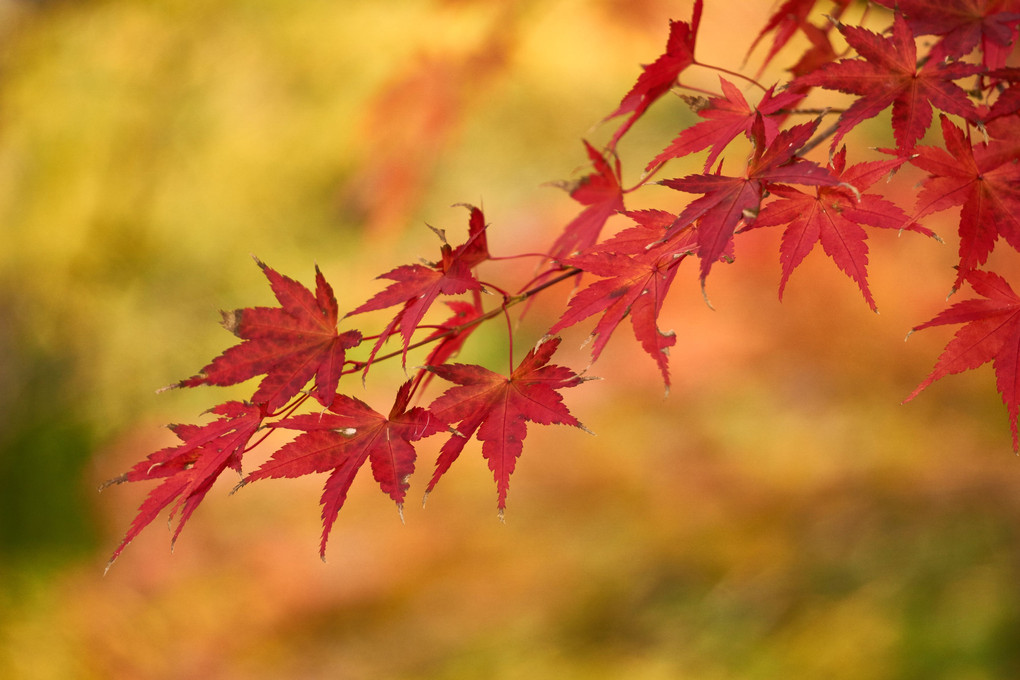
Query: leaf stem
(735, 74)
(508, 301)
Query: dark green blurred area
(779, 515)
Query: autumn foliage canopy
(950, 57)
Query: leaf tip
(167, 388)
(232, 320)
(704, 296)
(110, 482)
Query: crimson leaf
(189, 469)
(725, 118)
(290, 344)
(834, 215)
(657, 78)
(887, 74)
(340, 442)
(498, 409)
(417, 286)
(991, 332)
(602, 195)
(730, 200)
(984, 181)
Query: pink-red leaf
(289, 344)
(991, 332)
(189, 469)
(834, 216)
(417, 286)
(984, 182)
(728, 201)
(602, 195)
(886, 74)
(725, 118)
(342, 439)
(497, 409)
(633, 285)
(657, 78)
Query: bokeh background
(779, 514)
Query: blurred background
(779, 514)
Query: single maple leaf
(600, 191)
(991, 332)
(498, 409)
(725, 118)
(633, 284)
(289, 344)
(963, 25)
(785, 21)
(980, 179)
(417, 286)
(886, 73)
(657, 78)
(820, 53)
(189, 469)
(730, 200)
(834, 215)
(341, 440)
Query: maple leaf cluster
(953, 56)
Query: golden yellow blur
(778, 515)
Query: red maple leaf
(981, 179)
(498, 409)
(821, 52)
(785, 21)
(730, 200)
(600, 191)
(340, 441)
(657, 78)
(189, 469)
(887, 74)
(725, 118)
(289, 344)
(634, 284)
(834, 215)
(417, 286)
(963, 25)
(991, 332)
